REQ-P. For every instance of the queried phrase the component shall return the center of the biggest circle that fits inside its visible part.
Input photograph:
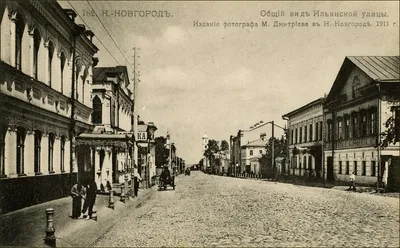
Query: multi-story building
(305, 135)
(112, 117)
(365, 93)
(251, 153)
(45, 85)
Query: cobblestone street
(207, 210)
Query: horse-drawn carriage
(165, 180)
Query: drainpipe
(379, 137)
(72, 118)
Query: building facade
(204, 146)
(365, 93)
(305, 134)
(251, 153)
(45, 85)
(112, 138)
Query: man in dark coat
(91, 190)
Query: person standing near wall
(77, 193)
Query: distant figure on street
(77, 193)
(165, 175)
(352, 182)
(108, 186)
(90, 199)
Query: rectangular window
(291, 137)
(347, 128)
(373, 123)
(305, 133)
(373, 168)
(296, 140)
(51, 146)
(354, 126)
(364, 125)
(320, 130)
(340, 129)
(329, 131)
(363, 168)
(260, 151)
(38, 140)
(347, 167)
(301, 135)
(355, 168)
(251, 153)
(20, 150)
(311, 133)
(340, 167)
(316, 132)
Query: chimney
(70, 13)
(262, 136)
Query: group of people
(87, 193)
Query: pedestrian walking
(91, 190)
(77, 193)
(352, 182)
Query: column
(29, 165)
(108, 165)
(10, 161)
(44, 154)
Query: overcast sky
(218, 80)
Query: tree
(392, 133)
(212, 148)
(280, 150)
(162, 152)
(224, 145)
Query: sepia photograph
(199, 123)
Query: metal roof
(379, 68)
(256, 143)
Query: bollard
(126, 187)
(50, 239)
(133, 184)
(111, 200)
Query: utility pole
(273, 144)
(136, 81)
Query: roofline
(315, 102)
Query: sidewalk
(26, 227)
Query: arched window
(21, 133)
(51, 151)
(19, 32)
(363, 123)
(97, 111)
(37, 150)
(50, 60)
(36, 47)
(329, 129)
(78, 69)
(62, 66)
(3, 133)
